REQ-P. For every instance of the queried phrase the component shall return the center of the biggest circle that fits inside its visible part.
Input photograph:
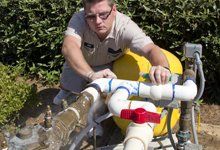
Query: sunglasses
(102, 15)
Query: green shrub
(14, 92)
(33, 31)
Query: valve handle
(140, 115)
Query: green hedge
(14, 92)
(33, 31)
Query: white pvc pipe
(96, 102)
(184, 92)
(93, 92)
(133, 144)
(138, 136)
(95, 110)
(118, 101)
(108, 85)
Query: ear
(114, 9)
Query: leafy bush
(14, 92)
(33, 31)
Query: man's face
(100, 17)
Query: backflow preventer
(53, 136)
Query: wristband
(89, 75)
(167, 68)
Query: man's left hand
(159, 75)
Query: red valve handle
(140, 115)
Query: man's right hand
(106, 73)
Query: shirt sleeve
(135, 38)
(76, 25)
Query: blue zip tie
(188, 78)
(173, 86)
(123, 87)
(109, 85)
(94, 85)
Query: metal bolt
(64, 104)
(48, 118)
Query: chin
(101, 32)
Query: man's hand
(106, 73)
(159, 75)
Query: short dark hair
(111, 2)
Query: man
(97, 36)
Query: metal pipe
(86, 130)
(183, 134)
(169, 116)
(65, 122)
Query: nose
(98, 20)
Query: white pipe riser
(134, 144)
(141, 132)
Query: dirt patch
(209, 136)
(210, 114)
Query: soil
(209, 134)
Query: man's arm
(74, 57)
(158, 73)
(141, 44)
